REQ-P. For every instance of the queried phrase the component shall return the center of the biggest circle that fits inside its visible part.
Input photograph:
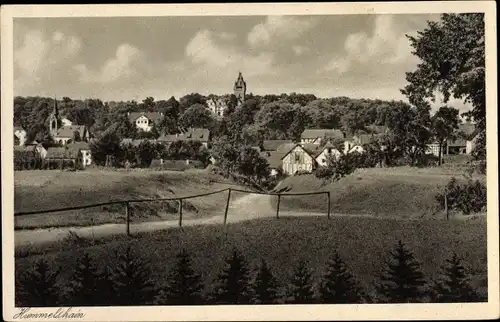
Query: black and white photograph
(242, 156)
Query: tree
(265, 287)
(38, 286)
(189, 100)
(454, 285)
(184, 286)
(131, 277)
(233, 283)
(402, 281)
(301, 291)
(338, 285)
(107, 145)
(444, 125)
(197, 116)
(88, 286)
(452, 54)
(148, 104)
(252, 166)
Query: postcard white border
(468, 311)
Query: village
(316, 145)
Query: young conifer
(454, 286)
(338, 285)
(38, 286)
(265, 286)
(301, 289)
(402, 281)
(184, 285)
(233, 283)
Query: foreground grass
(363, 242)
(40, 190)
(405, 191)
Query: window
(297, 157)
(329, 150)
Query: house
(358, 142)
(296, 159)
(37, 147)
(84, 149)
(28, 156)
(274, 157)
(319, 136)
(217, 106)
(20, 135)
(67, 134)
(144, 120)
(191, 134)
(60, 155)
(325, 152)
(465, 142)
(377, 129)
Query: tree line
(130, 282)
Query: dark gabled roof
(322, 133)
(78, 146)
(273, 158)
(307, 148)
(68, 131)
(378, 129)
(153, 116)
(61, 153)
(193, 134)
(363, 139)
(272, 145)
(19, 128)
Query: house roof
(308, 148)
(61, 153)
(192, 134)
(134, 142)
(377, 128)
(468, 131)
(363, 139)
(153, 116)
(67, 131)
(78, 146)
(322, 133)
(457, 143)
(272, 145)
(24, 148)
(18, 128)
(273, 158)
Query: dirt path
(247, 207)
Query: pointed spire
(56, 110)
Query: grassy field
(40, 190)
(363, 242)
(401, 191)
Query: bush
(38, 287)
(467, 198)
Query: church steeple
(240, 88)
(54, 119)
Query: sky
(125, 58)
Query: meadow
(45, 189)
(364, 243)
(403, 192)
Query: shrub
(265, 287)
(467, 198)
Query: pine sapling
(402, 281)
(454, 285)
(131, 277)
(233, 282)
(38, 286)
(184, 285)
(265, 286)
(301, 289)
(338, 285)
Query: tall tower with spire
(54, 119)
(240, 88)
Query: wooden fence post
(278, 207)
(446, 205)
(329, 204)
(180, 212)
(227, 206)
(127, 215)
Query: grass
(363, 242)
(402, 191)
(44, 189)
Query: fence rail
(127, 203)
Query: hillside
(40, 190)
(394, 192)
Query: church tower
(240, 89)
(54, 119)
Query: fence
(127, 203)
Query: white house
(19, 136)
(66, 134)
(217, 106)
(144, 120)
(326, 152)
(357, 143)
(297, 159)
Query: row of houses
(77, 153)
